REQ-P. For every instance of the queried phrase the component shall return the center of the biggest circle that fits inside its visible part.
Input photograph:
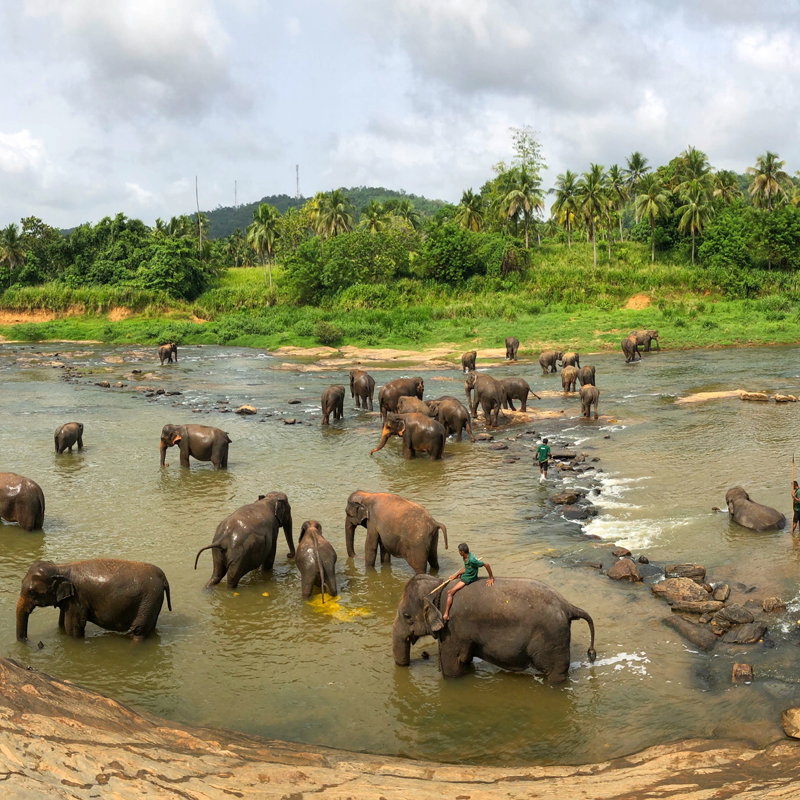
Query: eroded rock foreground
(60, 741)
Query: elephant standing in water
(420, 434)
(115, 595)
(586, 376)
(512, 345)
(399, 527)
(516, 389)
(166, 351)
(332, 403)
(413, 405)
(514, 624)
(21, 501)
(630, 349)
(589, 397)
(68, 435)
(362, 387)
(488, 392)
(316, 560)
(645, 339)
(392, 391)
(569, 378)
(248, 539)
(750, 514)
(468, 361)
(452, 415)
(197, 441)
(571, 360)
(548, 360)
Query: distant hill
(224, 220)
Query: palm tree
(405, 211)
(160, 229)
(694, 213)
(11, 252)
(334, 213)
(565, 206)
(233, 247)
(636, 170)
(726, 186)
(618, 191)
(769, 179)
(651, 202)
(262, 233)
(373, 218)
(522, 196)
(593, 199)
(469, 213)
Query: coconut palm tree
(637, 168)
(651, 202)
(593, 200)
(160, 229)
(618, 191)
(695, 212)
(565, 206)
(469, 213)
(335, 213)
(261, 235)
(726, 186)
(11, 251)
(769, 180)
(522, 196)
(405, 211)
(234, 247)
(373, 218)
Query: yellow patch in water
(335, 609)
(236, 594)
(265, 594)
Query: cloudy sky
(116, 105)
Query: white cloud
(21, 151)
(141, 196)
(774, 53)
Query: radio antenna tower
(297, 176)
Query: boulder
(497, 446)
(693, 571)
(699, 635)
(295, 402)
(625, 570)
(565, 498)
(247, 410)
(689, 607)
(790, 719)
(104, 384)
(722, 592)
(136, 372)
(745, 634)
(773, 604)
(576, 512)
(120, 385)
(675, 590)
(291, 421)
(483, 437)
(563, 455)
(741, 673)
(758, 396)
(643, 560)
(621, 552)
(735, 614)
(651, 571)
(784, 398)
(715, 629)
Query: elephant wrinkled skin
(516, 389)
(590, 395)
(21, 501)
(413, 405)
(630, 349)
(512, 345)
(586, 376)
(569, 378)
(750, 514)
(166, 351)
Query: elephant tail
(228, 438)
(443, 529)
(579, 613)
(319, 567)
(217, 546)
(166, 592)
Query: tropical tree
(234, 246)
(593, 200)
(769, 180)
(695, 212)
(11, 252)
(373, 218)
(261, 235)
(565, 206)
(694, 170)
(637, 168)
(726, 186)
(522, 196)
(618, 191)
(469, 213)
(334, 213)
(406, 212)
(160, 229)
(652, 202)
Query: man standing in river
(543, 456)
(795, 507)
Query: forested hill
(223, 221)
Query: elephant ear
(176, 437)
(64, 590)
(401, 426)
(433, 618)
(362, 514)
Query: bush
(173, 267)
(449, 254)
(327, 333)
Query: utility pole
(297, 176)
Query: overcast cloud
(115, 105)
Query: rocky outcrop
(625, 570)
(675, 590)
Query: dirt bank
(61, 741)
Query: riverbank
(62, 741)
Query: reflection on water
(264, 661)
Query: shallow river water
(263, 661)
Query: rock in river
(675, 590)
(693, 571)
(773, 604)
(565, 498)
(741, 673)
(790, 719)
(745, 634)
(622, 552)
(245, 409)
(722, 592)
(689, 607)
(625, 570)
(483, 437)
(735, 614)
(576, 512)
(698, 635)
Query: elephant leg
(386, 556)
(184, 454)
(237, 569)
(307, 585)
(61, 619)
(510, 404)
(556, 667)
(80, 443)
(408, 451)
(370, 402)
(146, 619)
(371, 549)
(454, 657)
(458, 434)
(524, 406)
(269, 561)
(75, 621)
(220, 568)
(433, 552)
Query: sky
(116, 105)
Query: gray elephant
(516, 389)
(115, 595)
(516, 623)
(166, 352)
(468, 361)
(397, 526)
(68, 435)
(571, 360)
(645, 339)
(248, 539)
(512, 345)
(750, 514)
(630, 349)
(392, 391)
(569, 378)
(198, 441)
(362, 387)
(586, 376)
(420, 434)
(21, 501)
(548, 360)
(590, 395)
(332, 403)
(452, 415)
(412, 405)
(316, 560)
(488, 392)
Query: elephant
(115, 595)
(590, 394)
(630, 349)
(420, 434)
(67, 435)
(569, 378)
(332, 402)
(586, 376)
(453, 415)
(412, 405)
(400, 528)
(316, 560)
(468, 361)
(548, 360)
(248, 539)
(197, 441)
(515, 623)
(392, 391)
(512, 345)
(362, 387)
(166, 351)
(644, 338)
(488, 392)
(571, 360)
(750, 514)
(517, 389)
(21, 501)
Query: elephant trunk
(349, 538)
(401, 645)
(23, 612)
(382, 443)
(163, 449)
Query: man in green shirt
(468, 574)
(543, 456)
(795, 507)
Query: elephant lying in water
(21, 501)
(750, 514)
(514, 624)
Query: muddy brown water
(263, 661)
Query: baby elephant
(115, 595)
(468, 361)
(69, 434)
(512, 345)
(166, 351)
(332, 403)
(589, 397)
(569, 378)
(316, 560)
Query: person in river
(795, 506)
(468, 574)
(543, 456)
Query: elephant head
(279, 503)
(170, 436)
(419, 387)
(44, 585)
(393, 425)
(433, 405)
(357, 513)
(735, 495)
(354, 373)
(416, 617)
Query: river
(263, 661)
